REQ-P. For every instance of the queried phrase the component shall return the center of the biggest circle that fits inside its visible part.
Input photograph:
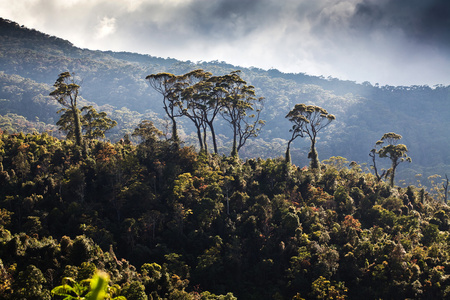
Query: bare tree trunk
(213, 136)
(174, 130)
(445, 186)
(314, 156)
(77, 124)
(200, 140)
(234, 151)
(288, 152)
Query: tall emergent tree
(66, 93)
(170, 87)
(397, 153)
(195, 102)
(308, 121)
(238, 107)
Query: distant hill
(30, 62)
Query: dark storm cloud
(423, 21)
(385, 41)
(220, 19)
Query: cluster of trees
(165, 221)
(201, 97)
(66, 212)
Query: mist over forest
(129, 176)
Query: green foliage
(397, 153)
(134, 291)
(30, 284)
(115, 83)
(66, 93)
(93, 124)
(164, 222)
(93, 288)
(323, 289)
(308, 121)
(70, 289)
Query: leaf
(99, 283)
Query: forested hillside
(30, 62)
(148, 178)
(167, 223)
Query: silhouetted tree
(308, 121)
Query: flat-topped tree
(308, 121)
(397, 153)
(196, 99)
(241, 109)
(169, 86)
(66, 93)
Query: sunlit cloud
(105, 27)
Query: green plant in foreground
(95, 288)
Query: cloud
(106, 26)
(427, 21)
(385, 41)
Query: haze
(394, 42)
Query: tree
(239, 102)
(66, 122)
(195, 102)
(215, 104)
(66, 93)
(150, 138)
(169, 86)
(148, 132)
(308, 121)
(31, 284)
(95, 124)
(397, 153)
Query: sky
(389, 42)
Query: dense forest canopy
(109, 190)
(165, 222)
